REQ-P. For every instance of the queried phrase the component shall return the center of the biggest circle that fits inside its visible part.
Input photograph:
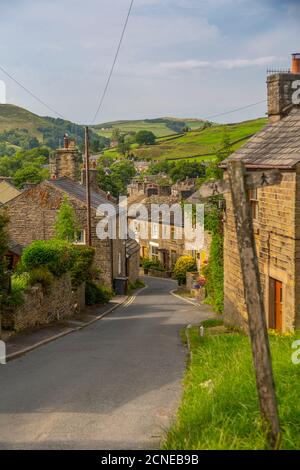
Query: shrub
(183, 265)
(58, 256)
(135, 285)
(41, 276)
(81, 270)
(96, 294)
(19, 284)
(148, 263)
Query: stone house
(34, 212)
(149, 185)
(184, 189)
(275, 211)
(162, 240)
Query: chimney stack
(295, 63)
(280, 90)
(93, 172)
(66, 141)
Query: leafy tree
(66, 223)
(106, 182)
(145, 138)
(119, 176)
(30, 174)
(116, 134)
(124, 147)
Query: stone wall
(41, 308)
(275, 235)
(133, 267)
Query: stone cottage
(275, 211)
(33, 215)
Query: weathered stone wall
(275, 234)
(41, 308)
(133, 267)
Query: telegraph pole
(88, 189)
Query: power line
(235, 110)
(31, 94)
(114, 62)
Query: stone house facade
(160, 240)
(275, 212)
(33, 216)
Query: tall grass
(220, 408)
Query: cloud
(188, 65)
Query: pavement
(24, 342)
(115, 384)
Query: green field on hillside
(199, 145)
(159, 126)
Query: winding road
(113, 385)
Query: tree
(124, 147)
(145, 138)
(66, 223)
(116, 134)
(119, 176)
(30, 174)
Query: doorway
(275, 305)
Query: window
(253, 198)
(154, 253)
(80, 237)
(155, 230)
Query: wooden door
(278, 306)
(275, 313)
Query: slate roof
(79, 192)
(275, 146)
(7, 191)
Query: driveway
(113, 385)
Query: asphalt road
(113, 385)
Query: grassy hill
(18, 123)
(198, 145)
(160, 127)
(14, 117)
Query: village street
(112, 385)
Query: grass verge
(219, 409)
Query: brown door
(275, 314)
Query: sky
(182, 58)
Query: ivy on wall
(214, 270)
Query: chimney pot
(295, 63)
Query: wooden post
(88, 188)
(254, 302)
